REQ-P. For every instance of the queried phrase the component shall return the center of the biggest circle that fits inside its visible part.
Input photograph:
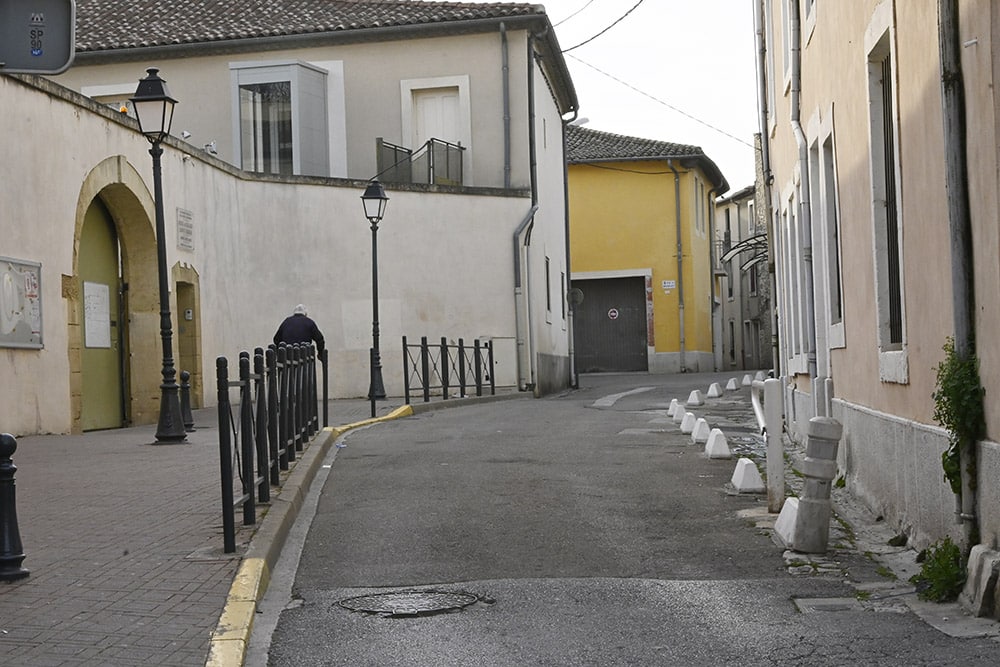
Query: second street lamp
(154, 109)
(374, 201)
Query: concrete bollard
(746, 478)
(687, 424)
(679, 414)
(715, 390)
(812, 522)
(701, 431)
(695, 398)
(717, 447)
(672, 410)
(11, 551)
(774, 414)
(747, 380)
(732, 385)
(759, 376)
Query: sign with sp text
(37, 36)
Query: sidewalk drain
(814, 605)
(412, 603)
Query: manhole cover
(410, 603)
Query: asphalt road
(589, 531)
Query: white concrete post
(774, 413)
(812, 523)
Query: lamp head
(374, 201)
(154, 107)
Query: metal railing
(437, 162)
(277, 416)
(445, 368)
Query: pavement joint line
(228, 645)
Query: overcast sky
(664, 63)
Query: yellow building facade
(641, 253)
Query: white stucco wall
(260, 247)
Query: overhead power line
(659, 101)
(620, 19)
(589, 3)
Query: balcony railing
(437, 162)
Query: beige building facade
(858, 136)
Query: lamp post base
(170, 427)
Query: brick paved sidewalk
(123, 540)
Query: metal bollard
(11, 551)
(812, 522)
(186, 415)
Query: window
(732, 341)
(266, 127)
(548, 285)
(886, 221)
(283, 125)
(438, 108)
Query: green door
(101, 335)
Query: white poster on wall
(96, 315)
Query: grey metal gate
(610, 325)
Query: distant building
(743, 332)
(641, 239)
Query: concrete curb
(228, 645)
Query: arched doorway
(114, 216)
(103, 357)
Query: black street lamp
(374, 201)
(154, 109)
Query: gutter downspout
(574, 380)
(711, 274)
(505, 75)
(522, 312)
(526, 380)
(680, 263)
(820, 404)
(766, 178)
(960, 231)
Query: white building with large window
(281, 120)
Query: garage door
(610, 325)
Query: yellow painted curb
(228, 645)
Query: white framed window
(115, 95)
(828, 220)
(786, 42)
(438, 108)
(887, 228)
(808, 14)
(770, 46)
(282, 124)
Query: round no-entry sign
(613, 314)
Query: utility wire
(589, 3)
(606, 29)
(659, 101)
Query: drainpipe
(522, 239)
(680, 263)
(767, 178)
(574, 380)
(711, 273)
(505, 76)
(820, 407)
(960, 230)
(522, 310)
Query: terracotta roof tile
(586, 145)
(125, 24)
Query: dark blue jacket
(299, 329)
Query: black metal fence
(437, 162)
(276, 416)
(447, 368)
